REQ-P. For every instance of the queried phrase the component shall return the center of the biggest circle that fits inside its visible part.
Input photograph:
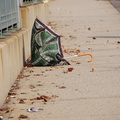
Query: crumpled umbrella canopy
(45, 46)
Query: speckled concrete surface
(89, 26)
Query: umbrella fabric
(45, 46)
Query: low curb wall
(14, 48)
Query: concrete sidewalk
(90, 26)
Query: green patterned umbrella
(45, 46)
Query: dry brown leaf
(53, 83)
(11, 94)
(15, 88)
(89, 28)
(31, 103)
(24, 93)
(62, 87)
(65, 71)
(93, 69)
(22, 116)
(54, 96)
(21, 101)
(20, 77)
(39, 85)
(31, 71)
(118, 42)
(45, 98)
(31, 86)
(38, 74)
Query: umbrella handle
(87, 54)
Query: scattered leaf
(31, 86)
(72, 37)
(39, 85)
(31, 103)
(62, 87)
(10, 117)
(20, 77)
(22, 117)
(15, 88)
(38, 74)
(89, 28)
(94, 37)
(21, 101)
(70, 69)
(4, 110)
(24, 93)
(31, 71)
(53, 83)
(45, 98)
(26, 75)
(118, 42)
(54, 96)
(35, 90)
(11, 94)
(93, 69)
(65, 71)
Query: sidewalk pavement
(92, 90)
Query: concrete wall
(12, 47)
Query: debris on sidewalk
(22, 101)
(22, 117)
(70, 69)
(4, 110)
(118, 42)
(44, 97)
(31, 86)
(93, 69)
(34, 109)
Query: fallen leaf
(45, 98)
(70, 69)
(31, 71)
(62, 87)
(93, 69)
(71, 36)
(35, 90)
(78, 63)
(4, 110)
(24, 93)
(39, 85)
(23, 117)
(53, 83)
(10, 117)
(38, 74)
(20, 77)
(31, 86)
(11, 94)
(26, 75)
(21, 101)
(94, 37)
(31, 103)
(89, 28)
(54, 96)
(15, 88)
(57, 85)
(118, 42)
(65, 71)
